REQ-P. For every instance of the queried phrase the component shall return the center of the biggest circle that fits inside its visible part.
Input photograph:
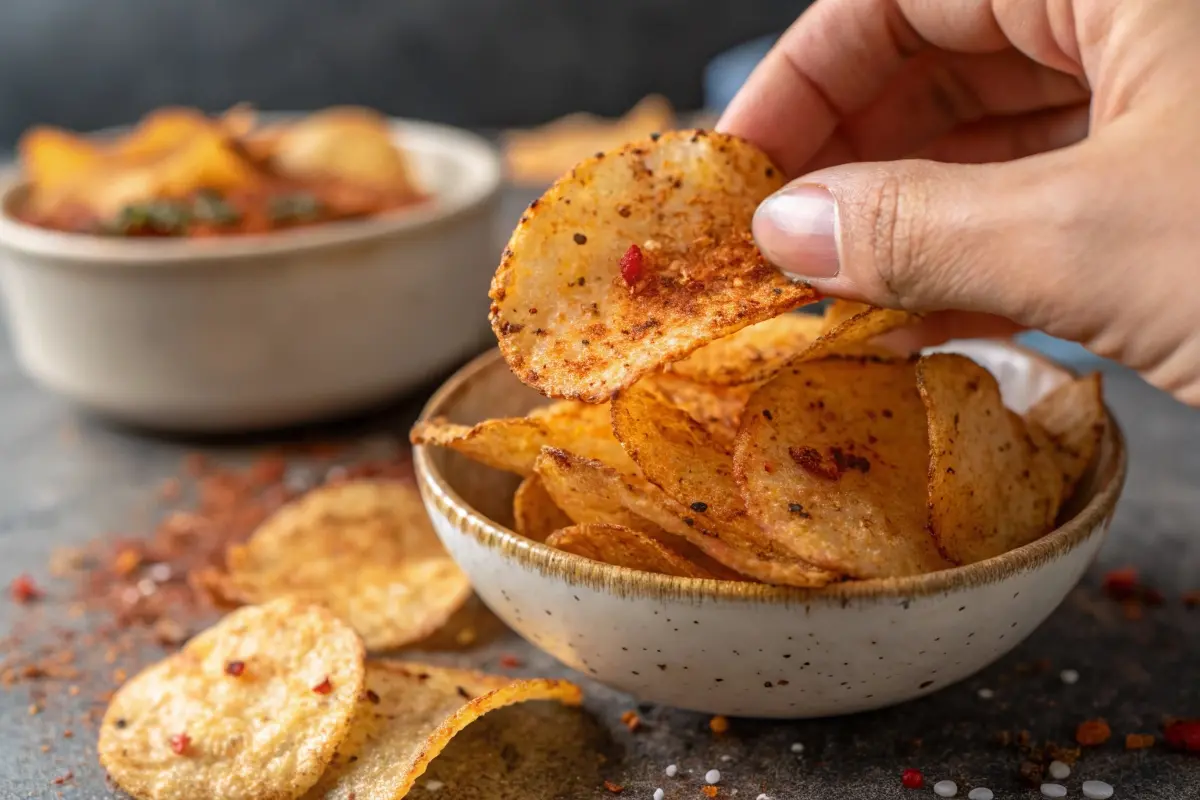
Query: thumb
(924, 236)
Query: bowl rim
(629, 582)
(481, 180)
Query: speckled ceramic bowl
(750, 649)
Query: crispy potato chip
(752, 354)
(162, 130)
(1074, 418)
(189, 726)
(366, 550)
(832, 460)
(349, 144)
(408, 714)
(535, 516)
(512, 444)
(53, 159)
(717, 408)
(993, 481)
(851, 326)
(632, 501)
(838, 311)
(635, 259)
(622, 547)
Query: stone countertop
(66, 478)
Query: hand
(1051, 180)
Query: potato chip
(366, 550)
(512, 444)
(163, 130)
(622, 547)
(1074, 418)
(717, 408)
(348, 144)
(636, 258)
(408, 714)
(254, 708)
(632, 501)
(832, 461)
(838, 311)
(752, 354)
(53, 159)
(993, 486)
(535, 516)
(851, 326)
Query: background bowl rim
(479, 159)
(1088, 522)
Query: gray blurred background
(85, 64)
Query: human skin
(1000, 163)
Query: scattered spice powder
(718, 724)
(631, 720)
(1093, 732)
(1138, 741)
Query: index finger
(835, 59)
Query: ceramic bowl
(267, 330)
(750, 649)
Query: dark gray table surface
(66, 478)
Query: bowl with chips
(246, 271)
(734, 506)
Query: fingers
(943, 326)
(1006, 139)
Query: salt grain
(1097, 790)
(1069, 676)
(1059, 771)
(659, 794)
(945, 788)
(762, 797)
(672, 770)
(986, 694)
(727, 759)
(433, 786)
(1053, 790)
(980, 793)
(712, 776)
(798, 747)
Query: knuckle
(890, 224)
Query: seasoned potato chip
(622, 547)
(252, 708)
(832, 460)
(350, 144)
(838, 311)
(993, 486)
(717, 408)
(752, 354)
(535, 516)
(1074, 418)
(632, 501)
(851, 326)
(162, 130)
(408, 714)
(635, 259)
(53, 159)
(512, 444)
(366, 550)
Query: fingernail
(796, 228)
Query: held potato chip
(535, 516)
(839, 311)
(408, 714)
(854, 325)
(636, 258)
(993, 483)
(252, 708)
(366, 550)
(1074, 418)
(717, 408)
(752, 354)
(622, 547)
(832, 460)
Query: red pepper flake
(912, 779)
(324, 687)
(718, 724)
(614, 788)
(1093, 732)
(632, 264)
(64, 778)
(509, 661)
(631, 720)
(809, 459)
(1120, 584)
(1138, 741)
(235, 669)
(710, 791)
(1184, 735)
(24, 590)
(179, 743)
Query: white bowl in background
(258, 331)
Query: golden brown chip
(717, 408)
(408, 714)
(838, 311)
(635, 259)
(1073, 416)
(832, 460)
(163, 130)
(752, 354)
(535, 516)
(366, 550)
(622, 547)
(53, 159)
(993, 485)
(252, 708)
(849, 327)
(632, 501)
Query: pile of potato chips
(703, 431)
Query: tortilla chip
(569, 322)
(366, 550)
(739, 547)
(535, 516)
(752, 354)
(622, 547)
(717, 408)
(188, 725)
(993, 481)
(408, 714)
(1073, 416)
(832, 462)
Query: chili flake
(235, 669)
(1184, 735)
(719, 724)
(23, 590)
(1092, 732)
(912, 779)
(710, 791)
(632, 264)
(631, 720)
(324, 687)
(1138, 741)
(510, 661)
(1120, 584)
(179, 743)
(614, 788)
(64, 778)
